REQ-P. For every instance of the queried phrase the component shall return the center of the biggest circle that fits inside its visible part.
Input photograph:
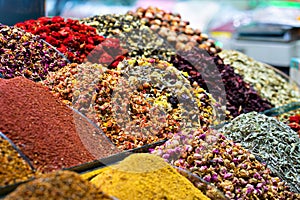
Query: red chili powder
(51, 134)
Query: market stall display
(159, 180)
(49, 133)
(59, 185)
(272, 141)
(23, 54)
(141, 79)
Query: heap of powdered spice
(214, 76)
(58, 185)
(146, 176)
(49, 133)
(14, 168)
(73, 39)
(228, 166)
(23, 54)
(174, 30)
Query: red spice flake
(295, 123)
(108, 53)
(49, 133)
(69, 36)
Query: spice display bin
(8, 188)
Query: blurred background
(266, 30)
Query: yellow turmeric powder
(146, 176)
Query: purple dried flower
(202, 136)
(228, 175)
(166, 156)
(250, 188)
(214, 177)
(202, 168)
(216, 151)
(207, 178)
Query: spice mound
(135, 37)
(145, 176)
(13, 167)
(49, 133)
(23, 54)
(220, 80)
(69, 36)
(146, 100)
(272, 141)
(58, 185)
(174, 30)
(228, 166)
(265, 80)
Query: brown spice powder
(49, 133)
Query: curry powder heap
(59, 185)
(145, 176)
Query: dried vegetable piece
(173, 29)
(69, 36)
(272, 141)
(294, 123)
(146, 101)
(49, 133)
(145, 176)
(13, 167)
(216, 78)
(23, 54)
(58, 185)
(227, 165)
(135, 37)
(265, 80)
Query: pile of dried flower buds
(227, 165)
(174, 30)
(69, 36)
(146, 100)
(23, 54)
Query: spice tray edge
(96, 164)
(282, 109)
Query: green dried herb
(271, 141)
